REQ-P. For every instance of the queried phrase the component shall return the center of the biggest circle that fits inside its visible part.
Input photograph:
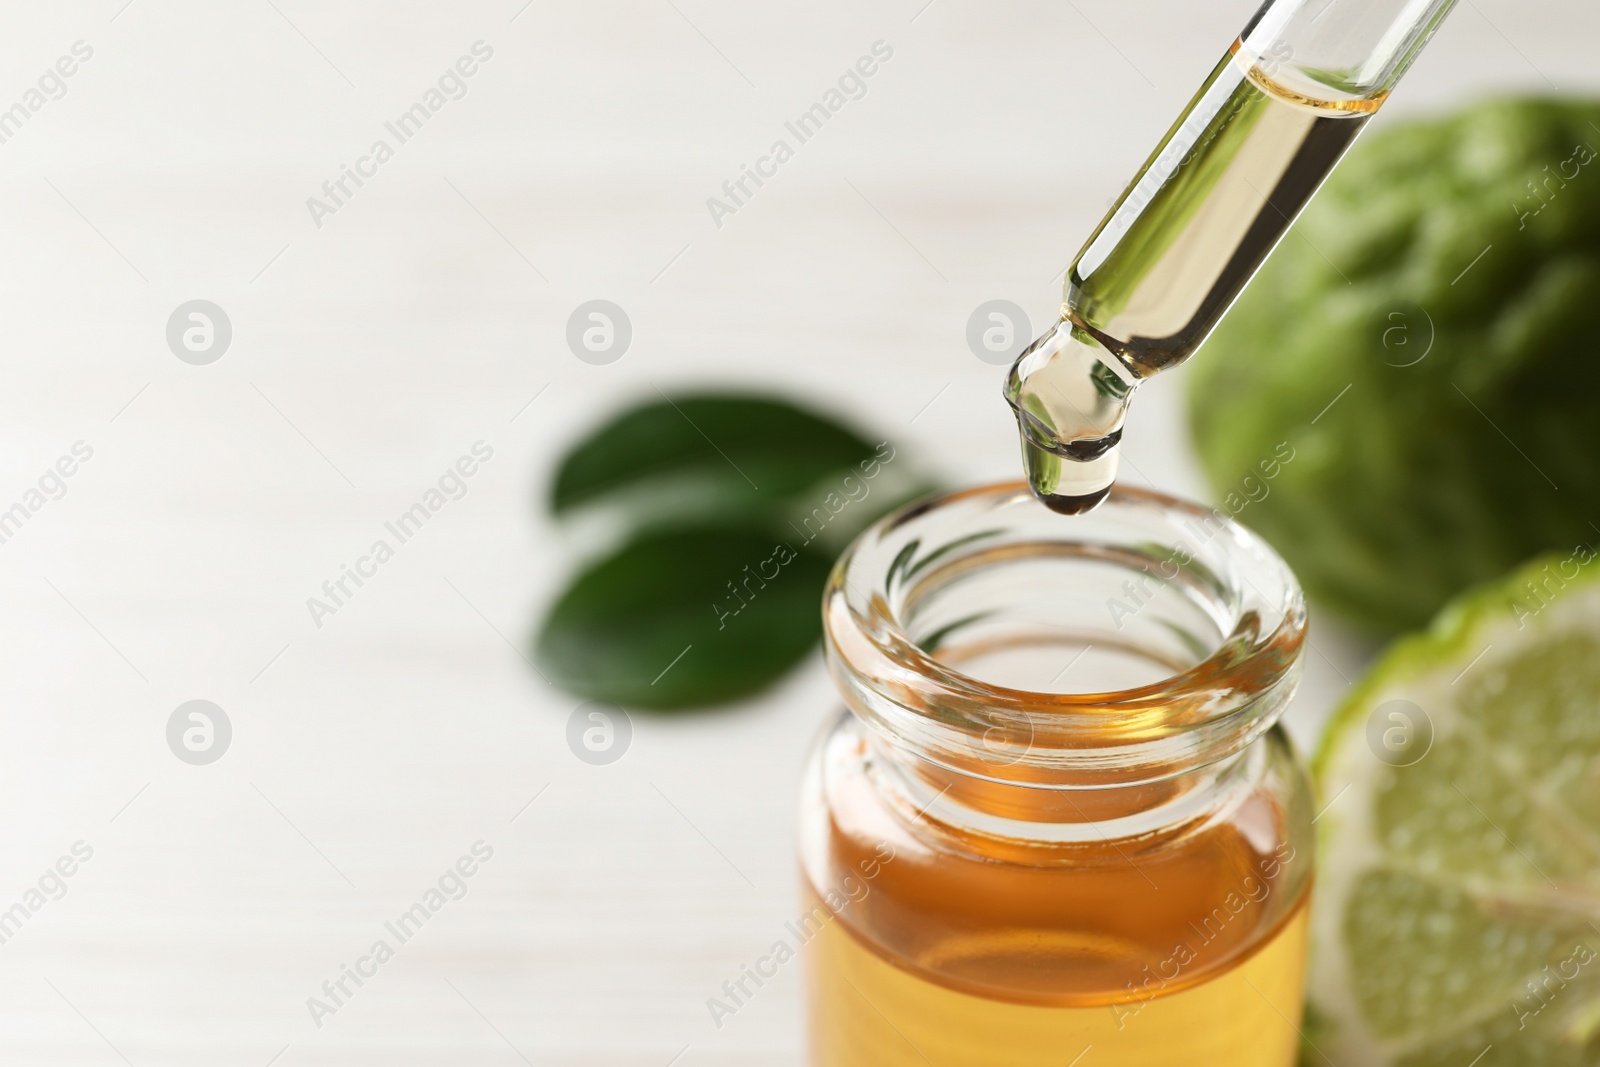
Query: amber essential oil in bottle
(1044, 829)
(1189, 966)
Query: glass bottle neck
(966, 804)
(1012, 665)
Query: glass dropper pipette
(1210, 203)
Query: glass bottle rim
(932, 709)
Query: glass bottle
(1058, 822)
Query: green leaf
(685, 617)
(705, 456)
(712, 492)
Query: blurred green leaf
(1471, 391)
(732, 508)
(701, 456)
(685, 617)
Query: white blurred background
(367, 354)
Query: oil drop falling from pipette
(1071, 398)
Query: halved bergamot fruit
(1457, 910)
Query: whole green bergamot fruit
(1425, 348)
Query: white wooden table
(372, 350)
